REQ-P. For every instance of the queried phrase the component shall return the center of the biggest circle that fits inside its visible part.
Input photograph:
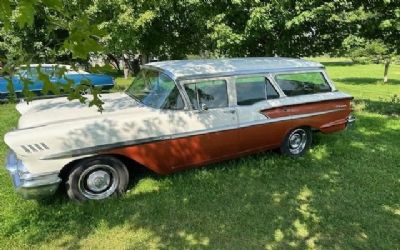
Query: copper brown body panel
(170, 155)
(174, 154)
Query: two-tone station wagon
(175, 115)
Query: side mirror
(204, 107)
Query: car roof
(46, 65)
(192, 69)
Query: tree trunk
(144, 58)
(114, 61)
(385, 75)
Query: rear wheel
(297, 142)
(97, 178)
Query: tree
(171, 29)
(306, 28)
(376, 39)
(361, 51)
(47, 31)
(283, 28)
(166, 29)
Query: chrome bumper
(30, 186)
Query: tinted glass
(156, 90)
(271, 91)
(191, 92)
(211, 93)
(302, 83)
(250, 90)
(174, 100)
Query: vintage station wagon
(175, 115)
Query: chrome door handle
(231, 111)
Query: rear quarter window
(253, 89)
(293, 84)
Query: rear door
(255, 94)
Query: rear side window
(294, 84)
(213, 94)
(250, 90)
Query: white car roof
(181, 69)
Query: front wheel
(97, 178)
(297, 142)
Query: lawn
(343, 194)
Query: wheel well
(129, 163)
(311, 128)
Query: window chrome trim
(182, 92)
(271, 78)
(328, 79)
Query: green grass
(343, 194)
(122, 84)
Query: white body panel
(67, 126)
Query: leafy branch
(81, 37)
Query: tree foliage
(376, 38)
(67, 31)
(42, 31)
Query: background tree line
(69, 30)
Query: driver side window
(212, 94)
(174, 101)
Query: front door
(208, 132)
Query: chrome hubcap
(98, 182)
(297, 141)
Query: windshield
(32, 73)
(156, 90)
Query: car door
(254, 94)
(207, 132)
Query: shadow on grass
(340, 63)
(366, 80)
(333, 197)
(390, 107)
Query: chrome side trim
(288, 118)
(99, 148)
(307, 99)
